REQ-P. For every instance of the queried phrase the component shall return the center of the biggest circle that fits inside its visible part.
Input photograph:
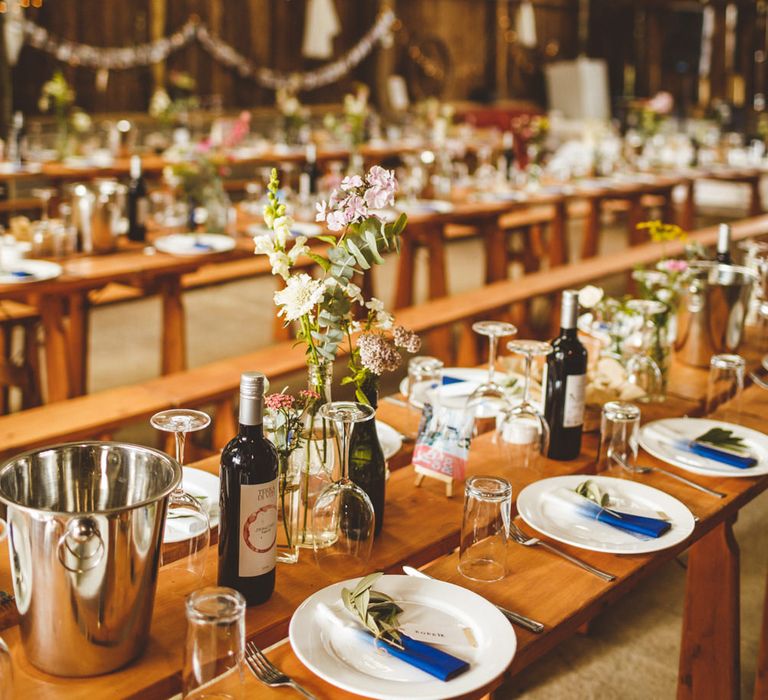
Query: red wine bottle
(137, 203)
(248, 500)
(724, 244)
(566, 384)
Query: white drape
(320, 27)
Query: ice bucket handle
(80, 531)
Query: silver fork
(521, 538)
(268, 673)
(637, 469)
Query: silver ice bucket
(712, 312)
(85, 527)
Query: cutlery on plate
(637, 469)
(524, 622)
(527, 541)
(268, 673)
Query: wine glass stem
(492, 358)
(344, 451)
(181, 438)
(527, 378)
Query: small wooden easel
(421, 473)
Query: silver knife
(521, 620)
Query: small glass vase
(288, 511)
(367, 466)
(313, 462)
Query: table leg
(57, 364)
(761, 674)
(558, 235)
(590, 244)
(79, 324)
(174, 337)
(709, 655)
(755, 200)
(439, 339)
(405, 271)
(495, 243)
(634, 217)
(668, 210)
(688, 213)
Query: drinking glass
(619, 429)
(522, 430)
(485, 528)
(725, 384)
(187, 528)
(44, 194)
(214, 652)
(642, 369)
(424, 373)
(489, 398)
(343, 517)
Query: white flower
(81, 121)
(300, 296)
(299, 248)
(354, 292)
(385, 320)
(282, 228)
(375, 304)
(263, 244)
(160, 103)
(281, 264)
(589, 296)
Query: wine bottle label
(258, 528)
(573, 410)
(142, 211)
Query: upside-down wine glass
(343, 517)
(521, 430)
(489, 399)
(642, 369)
(187, 528)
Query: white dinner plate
(298, 228)
(26, 271)
(203, 486)
(659, 446)
(194, 243)
(764, 363)
(348, 663)
(564, 525)
(390, 440)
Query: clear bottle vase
(313, 462)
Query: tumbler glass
(6, 672)
(424, 373)
(619, 428)
(214, 655)
(726, 382)
(485, 528)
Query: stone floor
(632, 649)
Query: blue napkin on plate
(423, 656)
(719, 455)
(451, 380)
(641, 525)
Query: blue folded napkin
(718, 455)
(451, 380)
(641, 525)
(21, 273)
(423, 656)
(638, 524)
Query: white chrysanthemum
(300, 296)
(590, 296)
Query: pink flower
(676, 265)
(354, 208)
(279, 402)
(378, 198)
(351, 182)
(661, 103)
(322, 211)
(336, 220)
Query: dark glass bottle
(138, 203)
(723, 254)
(367, 466)
(311, 169)
(566, 384)
(508, 152)
(248, 500)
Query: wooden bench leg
(496, 254)
(709, 654)
(634, 217)
(755, 200)
(405, 272)
(558, 235)
(761, 673)
(31, 396)
(78, 342)
(439, 339)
